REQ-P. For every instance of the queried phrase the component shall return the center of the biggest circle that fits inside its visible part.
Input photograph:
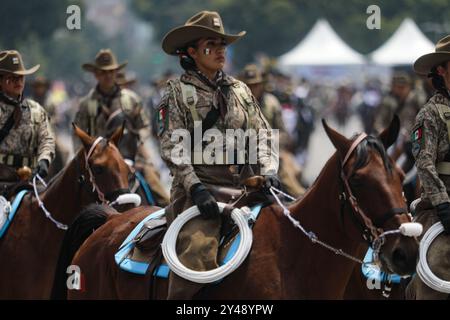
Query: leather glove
(41, 168)
(443, 212)
(272, 181)
(205, 201)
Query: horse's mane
(362, 153)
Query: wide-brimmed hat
(104, 60)
(123, 80)
(202, 25)
(251, 74)
(424, 64)
(11, 62)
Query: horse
(29, 249)
(437, 258)
(131, 146)
(347, 206)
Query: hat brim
(424, 64)
(179, 37)
(22, 72)
(90, 67)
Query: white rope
(423, 270)
(311, 235)
(41, 204)
(169, 247)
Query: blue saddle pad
(162, 271)
(15, 205)
(372, 271)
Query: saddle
(149, 238)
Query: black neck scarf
(17, 103)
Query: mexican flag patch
(162, 120)
(416, 134)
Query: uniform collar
(99, 94)
(191, 77)
(10, 101)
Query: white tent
(321, 47)
(404, 46)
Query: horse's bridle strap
(355, 143)
(91, 150)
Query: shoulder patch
(417, 140)
(162, 119)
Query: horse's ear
(86, 139)
(390, 134)
(341, 143)
(117, 134)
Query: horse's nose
(404, 263)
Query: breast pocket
(203, 109)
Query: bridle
(104, 198)
(371, 230)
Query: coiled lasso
(240, 217)
(423, 270)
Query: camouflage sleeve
(425, 138)
(171, 118)
(268, 153)
(45, 139)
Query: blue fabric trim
(146, 187)
(125, 263)
(373, 272)
(162, 271)
(16, 203)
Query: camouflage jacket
(34, 136)
(430, 145)
(174, 114)
(91, 118)
(407, 112)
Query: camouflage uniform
(431, 145)
(91, 119)
(33, 140)
(174, 114)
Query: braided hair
(438, 81)
(186, 61)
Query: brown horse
(29, 249)
(283, 262)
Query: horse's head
(105, 171)
(372, 193)
(130, 141)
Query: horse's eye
(356, 180)
(97, 169)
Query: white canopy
(404, 46)
(321, 46)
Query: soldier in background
(107, 97)
(289, 171)
(27, 141)
(405, 101)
